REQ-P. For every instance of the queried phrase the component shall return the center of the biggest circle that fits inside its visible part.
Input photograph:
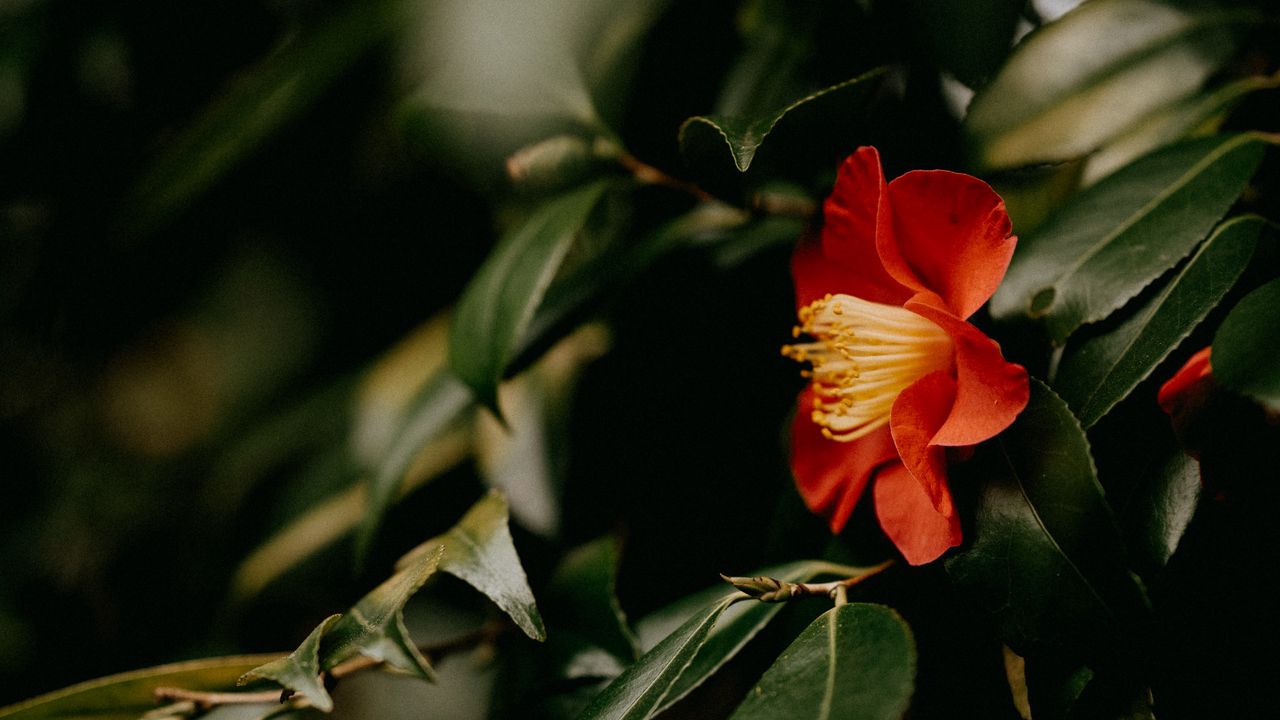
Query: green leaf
(479, 550)
(1246, 350)
(438, 406)
(267, 97)
(496, 76)
(1114, 238)
(716, 646)
(1104, 369)
(1046, 557)
(711, 143)
(1078, 81)
(1201, 114)
(374, 626)
(856, 661)
(499, 303)
(1162, 504)
(128, 695)
(583, 592)
(299, 671)
(573, 295)
(643, 689)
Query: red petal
(855, 213)
(917, 415)
(816, 275)
(908, 517)
(832, 475)
(952, 237)
(1174, 392)
(990, 391)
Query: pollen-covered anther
(863, 354)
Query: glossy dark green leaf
(1114, 238)
(299, 671)
(374, 626)
(733, 630)
(735, 140)
(1045, 559)
(265, 99)
(643, 689)
(856, 661)
(479, 550)
(1103, 370)
(1246, 350)
(1161, 504)
(438, 406)
(128, 695)
(1078, 81)
(499, 302)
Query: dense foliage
(405, 358)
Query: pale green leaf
(479, 550)
(299, 671)
(1086, 77)
(128, 695)
(374, 626)
(1201, 114)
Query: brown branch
(650, 175)
(767, 589)
(208, 700)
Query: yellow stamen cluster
(863, 355)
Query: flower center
(863, 355)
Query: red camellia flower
(1187, 386)
(898, 374)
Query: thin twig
(207, 700)
(648, 174)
